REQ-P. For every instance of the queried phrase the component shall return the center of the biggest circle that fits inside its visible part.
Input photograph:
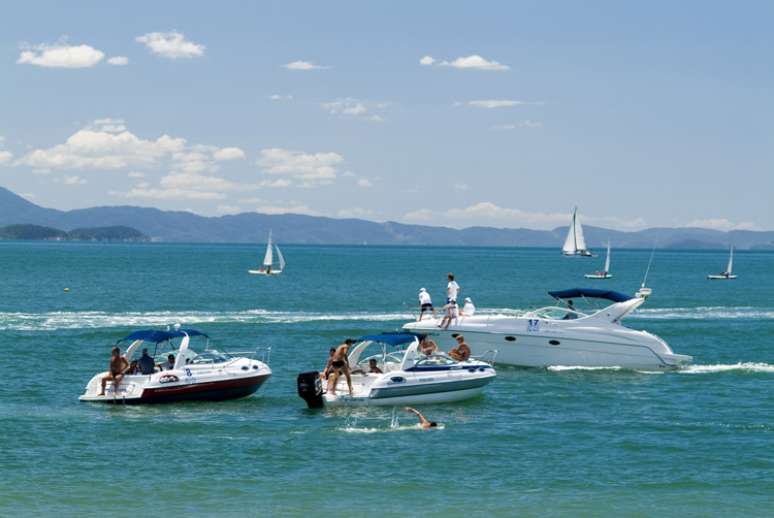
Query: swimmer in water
(423, 421)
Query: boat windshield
(208, 357)
(435, 360)
(557, 313)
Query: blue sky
(642, 114)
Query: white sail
(281, 258)
(269, 257)
(730, 267)
(607, 259)
(570, 243)
(580, 241)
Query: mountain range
(180, 226)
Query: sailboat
(268, 259)
(575, 244)
(604, 274)
(728, 274)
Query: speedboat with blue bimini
(563, 335)
(389, 369)
(170, 370)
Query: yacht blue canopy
(156, 336)
(390, 338)
(590, 293)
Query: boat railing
(487, 357)
(262, 354)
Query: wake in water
(738, 367)
(753, 367)
(350, 425)
(54, 320)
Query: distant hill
(31, 232)
(252, 227)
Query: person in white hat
(468, 310)
(425, 303)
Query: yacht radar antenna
(644, 292)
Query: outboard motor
(310, 389)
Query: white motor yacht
(406, 377)
(208, 375)
(563, 335)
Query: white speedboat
(267, 267)
(575, 243)
(208, 375)
(408, 377)
(729, 273)
(563, 335)
(605, 273)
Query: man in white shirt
(452, 289)
(425, 303)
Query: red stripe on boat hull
(208, 391)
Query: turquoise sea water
(562, 442)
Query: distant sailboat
(268, 260)
(575, 244)
(604, 274)
(728, 274)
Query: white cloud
(5, 156)
(74, 180)
(348, 107)
(497, 103)
(721, 224)
(106, 145)
(308, 169)
(487, 213)
(365, 183)
(106, 148)
(355, 212)
(280, 97)
(136, 174)
(472, 62)
(303, 65)
(108, 125)
(119, 61)
(286, 208)
(197, 182)
(144, 192)
(427, 61)
(520, 124)
(60, 55)
(228, 153)
(228, 209)
(171, 45)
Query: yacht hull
(549, 349)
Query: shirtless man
(428, 346)
(423, 421)
(118, 366)
(462, 352)
(340, 363)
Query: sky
(505, 114)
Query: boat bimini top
(155, 336)
(590, 293)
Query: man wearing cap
(425, 303)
